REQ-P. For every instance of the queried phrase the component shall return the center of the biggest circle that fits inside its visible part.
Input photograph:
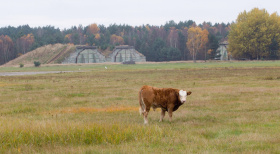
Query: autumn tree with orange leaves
(116, 40)
(25, 42)
(93, 29)
(92, 34)
(197, 40)
(204, 41)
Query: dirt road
(30, 73)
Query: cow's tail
(142, 108)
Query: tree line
(158, 43)
(254, 35)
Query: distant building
(85, 54)
(221, 52)
(91, 54)
(125, 53)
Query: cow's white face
(183, 96)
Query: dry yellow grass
(233, 109)
(43, 54)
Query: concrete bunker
(91, 54)
(125, 54)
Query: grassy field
(234, 107)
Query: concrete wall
(86, 54)
(90, 56)
(126, 53)
(71, 58)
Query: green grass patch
(52, 133)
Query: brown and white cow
(168, 99)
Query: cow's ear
(189, 92)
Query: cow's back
(159, 96)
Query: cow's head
(183, 95)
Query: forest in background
(158, 43)
(255, 35)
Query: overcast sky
(67, 13)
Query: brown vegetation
(45, 55)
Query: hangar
(91, 54)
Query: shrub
(104, 47)
(37, 63)
(21, 65)
(112, 47)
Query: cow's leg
(146, 117)
(170, 110)
(170, 114)
(145, 114)
(162, 115)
